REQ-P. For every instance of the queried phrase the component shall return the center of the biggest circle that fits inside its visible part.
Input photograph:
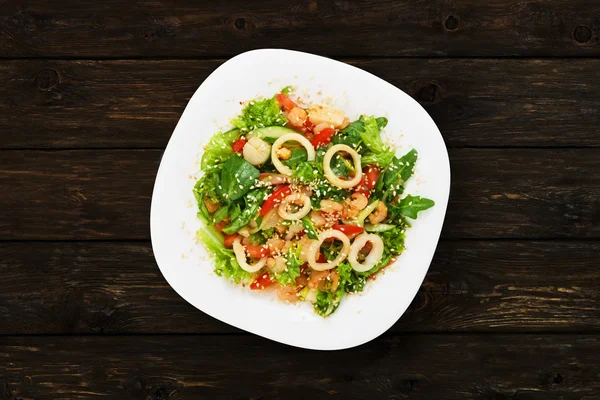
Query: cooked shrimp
(334, 277)
(317, 218)
(359, 201)
(379, 214)
(330, 206)
(275, 243)
(297, 116)
(287, 294)
(316, 277)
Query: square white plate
(186, 264)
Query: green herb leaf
(237, 176)
(220, 214)
(311, 232)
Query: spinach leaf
(237, 177)
(220, 214)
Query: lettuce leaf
(258, 114)
(225, 262)
(292, 264)
(218, 148)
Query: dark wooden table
(89, 95)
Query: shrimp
(330, 206)
(317, 218)
(297, 116)
(359, 201)
(355, 204)
(275, 243)
(287, 294)
(379, 214)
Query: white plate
(186, 265)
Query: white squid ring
(315, 245)
(292, 198)
(240, 255)
(290, 137)
(374, 255)
(330, 175)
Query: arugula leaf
(311, 232)
(254, 200)
(410, 206)
(237, 177)
(398, 173)
(258, 114)
(292, 270)
(207, 187)
(401, 168)
(225, 262)
(219, 148)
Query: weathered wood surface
(117, 29)
(496, 193)
(474, 286)
(235, 367)
(136, 104)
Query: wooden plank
(472, 286)
(372, 28)
(132, 104)
(85, 194)
(226, 367)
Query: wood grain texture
(338, 28)
(235, 367)
(496, 193)
(136, 104)
(472, 286)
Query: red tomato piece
(255, 251)
(229, 239)
(238, 145)
(261, 282)
(285, 101)
(371, 174)
(222, 224)
(323, 138)
(348, 229)
(275, 198)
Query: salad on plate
(300, 200)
